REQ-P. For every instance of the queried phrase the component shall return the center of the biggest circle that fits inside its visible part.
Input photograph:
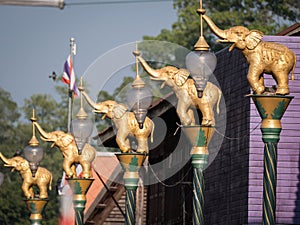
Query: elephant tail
(293, 70)
(219, 100)
(152, 132)
(50, 183)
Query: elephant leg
(186, 117)
(255, 79)
(73, 169)
(67, 164)
(123, 143)
(206, 108)
(142, 144)
(191, 115)
(27, 190)
(43, 190)
(86, 170)
(282, 82)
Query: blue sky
(34, 41)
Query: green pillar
(271, 110)
(131, 163)
(36, 207)
(80, 187)
(200, 137)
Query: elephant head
(240, 37)
(17, 162)
(109, 108)
(58, 138)
(171, 75)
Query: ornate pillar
(131, 163)
(36, 207)
(80, 187)
(271, 110)
(200, 137)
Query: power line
(114, 2)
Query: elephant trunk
(44, 135)
(152, 72)
(220, 33)
(89, 100)
(4, 159)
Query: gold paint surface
(192, 133)
(131, 175)
(269, 123)
(199, 150)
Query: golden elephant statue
(263, 57)
(42, 178)
(125, 123)
(186, 93)
(66, 144)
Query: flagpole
(72, 53)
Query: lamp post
(33, 153)
(81, 128)
(271, 110)
(270, 104)
(139, 98)
(201, 63)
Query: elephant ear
(181, 77)
(253, 39)
(67, 139)
(24, 165)
(118, 111)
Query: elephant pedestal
(131, 163)
(80, 187)
(271, 110)
(36, 207)
(199, 137)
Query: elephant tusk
(231, 47)
(222, 41)
(162, 85)
(52, 145)
(103, 117)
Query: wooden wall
(226, 179)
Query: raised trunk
(4, 159)
(44, 134)
(152, 72)
(220, 33)
(89, 100)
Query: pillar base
(80, 187)
(36, 207)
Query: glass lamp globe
(81, 129)
(33, 153)
(139, 98)
(201, 64)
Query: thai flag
(69, 75)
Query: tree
(15, 135)
(269, 16)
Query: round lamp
(201, 64)
(139, 98)
(33, 153)
(81, 128)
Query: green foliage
(15, 135)
(270, 17)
